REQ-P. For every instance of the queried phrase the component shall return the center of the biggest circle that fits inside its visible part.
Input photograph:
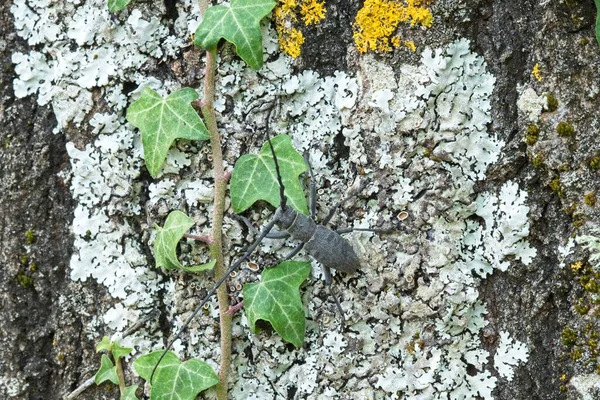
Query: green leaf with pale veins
(117, 5)
(167, 238)
(174, 379)
(238, 24)
(130, 393)
(254, 177)
(118, 351)
(276, 298)
(161, 121)
(104, 345)
(114, 348)
(107, 371)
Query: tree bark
(45, 321)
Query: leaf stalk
(121, 375)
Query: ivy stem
(121, 376)
(216, 245)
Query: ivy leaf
(107, 371)
(161, 121)
(254, 177)
(174, 379)
(117, 5)
(114, 348)
(167, 238)
(199, 268)
(238, 24)
(276, 298)
(130, 393)
(104, 345)
(118, 351)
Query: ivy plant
(111, 368)
(162, 121)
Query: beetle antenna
(283, 198)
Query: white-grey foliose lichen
(413, 312)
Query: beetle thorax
(288, 215)
(299, 226)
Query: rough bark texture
(42, 341)
(42, 345)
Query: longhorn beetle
(324, 244)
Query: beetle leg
(327, 275)
(348, 230)
(295, 251)
(278, 235)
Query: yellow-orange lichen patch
(537, 72)
(291, 42)
(410, 45)
(287, 14)
(377, 21)
(312, 11)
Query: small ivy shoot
(161, 121)
(107, 371)
(238, 24)
(104, 345)
(119, 351)
(254, 177)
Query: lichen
(287, 13)
(312, 11)
(450, 85)
(591, 243)
(509, 353)
(531, 104)
(537, 72)
(378, 20)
